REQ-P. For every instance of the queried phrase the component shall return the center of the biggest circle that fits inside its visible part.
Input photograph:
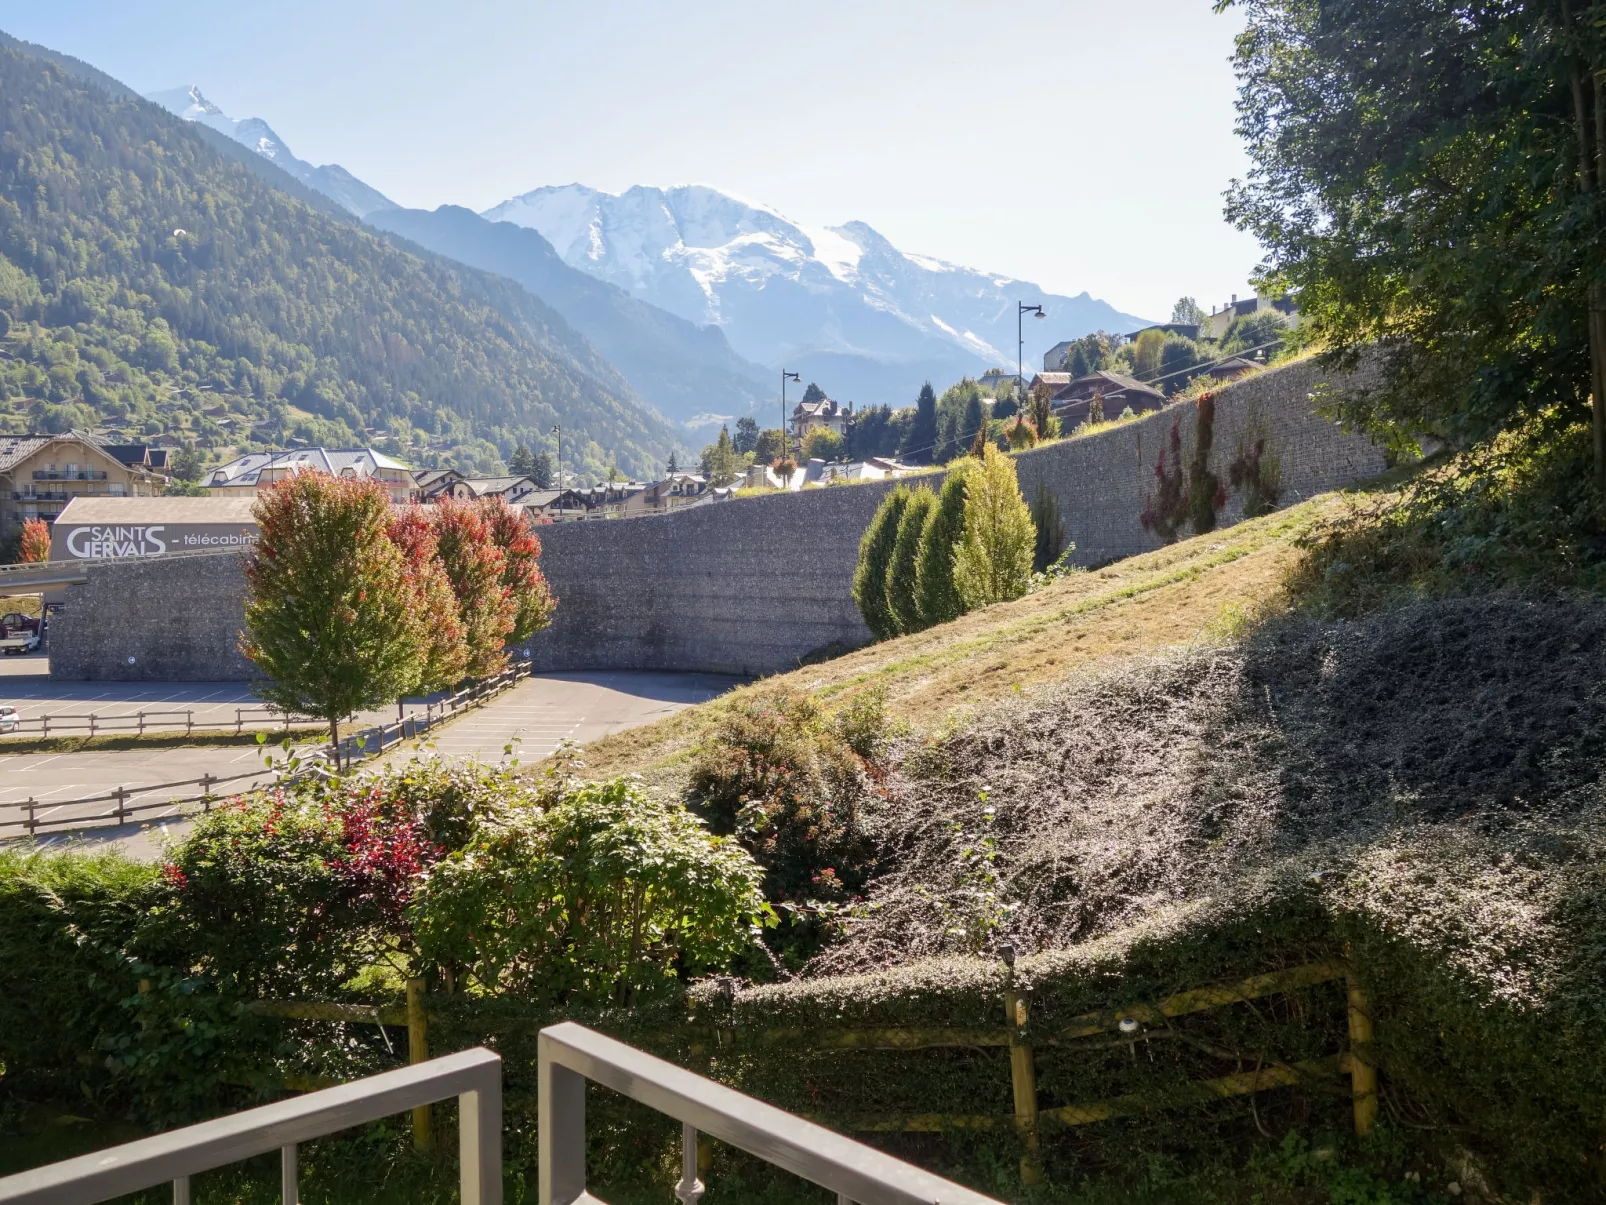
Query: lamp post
(787, 376)
(558, 431)
(1021, 310)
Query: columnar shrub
(330, 614)
(993, 557)
(875, 563)
(903, 578)
(604, 896)
(939, 596)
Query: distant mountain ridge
(331, 179)
(221, 308)
(688, 372)
(840, 304)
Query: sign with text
(94, 541)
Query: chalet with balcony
(41, 474)
(245, 476)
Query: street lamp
(787, 376)
(558, 431)
(1021, 310)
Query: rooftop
(123, 511)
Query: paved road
(538, 714)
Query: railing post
(122, 793)
(690, 1187)
(206, 792)
(181, 1191)
(91, 723)
(189, 723)
(239, 721)
(45, 721)
(479, 1147)
(32, 822)
(418, 1052)
(1362, 1070)
(561, 1126)
(142, 723)
(289, 1181)
(1022, 1076)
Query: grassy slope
(1145, 603)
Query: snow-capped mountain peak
(867, 317)
(331, 179)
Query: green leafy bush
(790, 787)
(993, 558)
(603, 896)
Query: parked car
(9, 720)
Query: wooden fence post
(122, 793)
(1362, 1069)
(206, 792)
(1022, 1075)
(32, 823)
(142, 723)
(189, 723)
(418, 1052)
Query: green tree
(822, 443)
(993, 559)
(813, 394)
(939, 596)
(746, 435)
(920, 443)
(1189, 311)
(771, 446)
(189, 462)
(522, 462)
(870, 578)
(1427, 177)
(1177, 355)
(719, 462)
(541, 471)
(903, 579)
(673, 466)
(330, 616)
(1253, 332)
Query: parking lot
(534, 717)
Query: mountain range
(839, 304)
(728, 292)
(158, 279)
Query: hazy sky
(1080, 144)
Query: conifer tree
(541, 471)
(920, 444)
(746, 435)
(331, 619)
(720, 464)
(875, 564)
(903, 578)
(993, 560)
(522, 462)
(939, 599)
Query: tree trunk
(334, 740)
(1589, 120)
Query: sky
(1077, 144)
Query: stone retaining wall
(746, 587)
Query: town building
(1231, 369)
(41, 474)
(824, 413)
(1216, 325)
(245, 475)
(1055, 357)
(430, 484)
(1117, 391)
(511, 490)
(111, 528)
(1188, 330)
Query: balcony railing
(69, 474)
(473, 1076)
(569, 1054)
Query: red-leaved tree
(446, 651)
(35, 541)
(533, 601)
(474, 565)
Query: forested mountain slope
(150, 285)
(689, 373)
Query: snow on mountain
(841, 304)
(331, 179)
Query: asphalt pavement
(535, 717)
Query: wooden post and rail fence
(1028, 1118)
(33, 816)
